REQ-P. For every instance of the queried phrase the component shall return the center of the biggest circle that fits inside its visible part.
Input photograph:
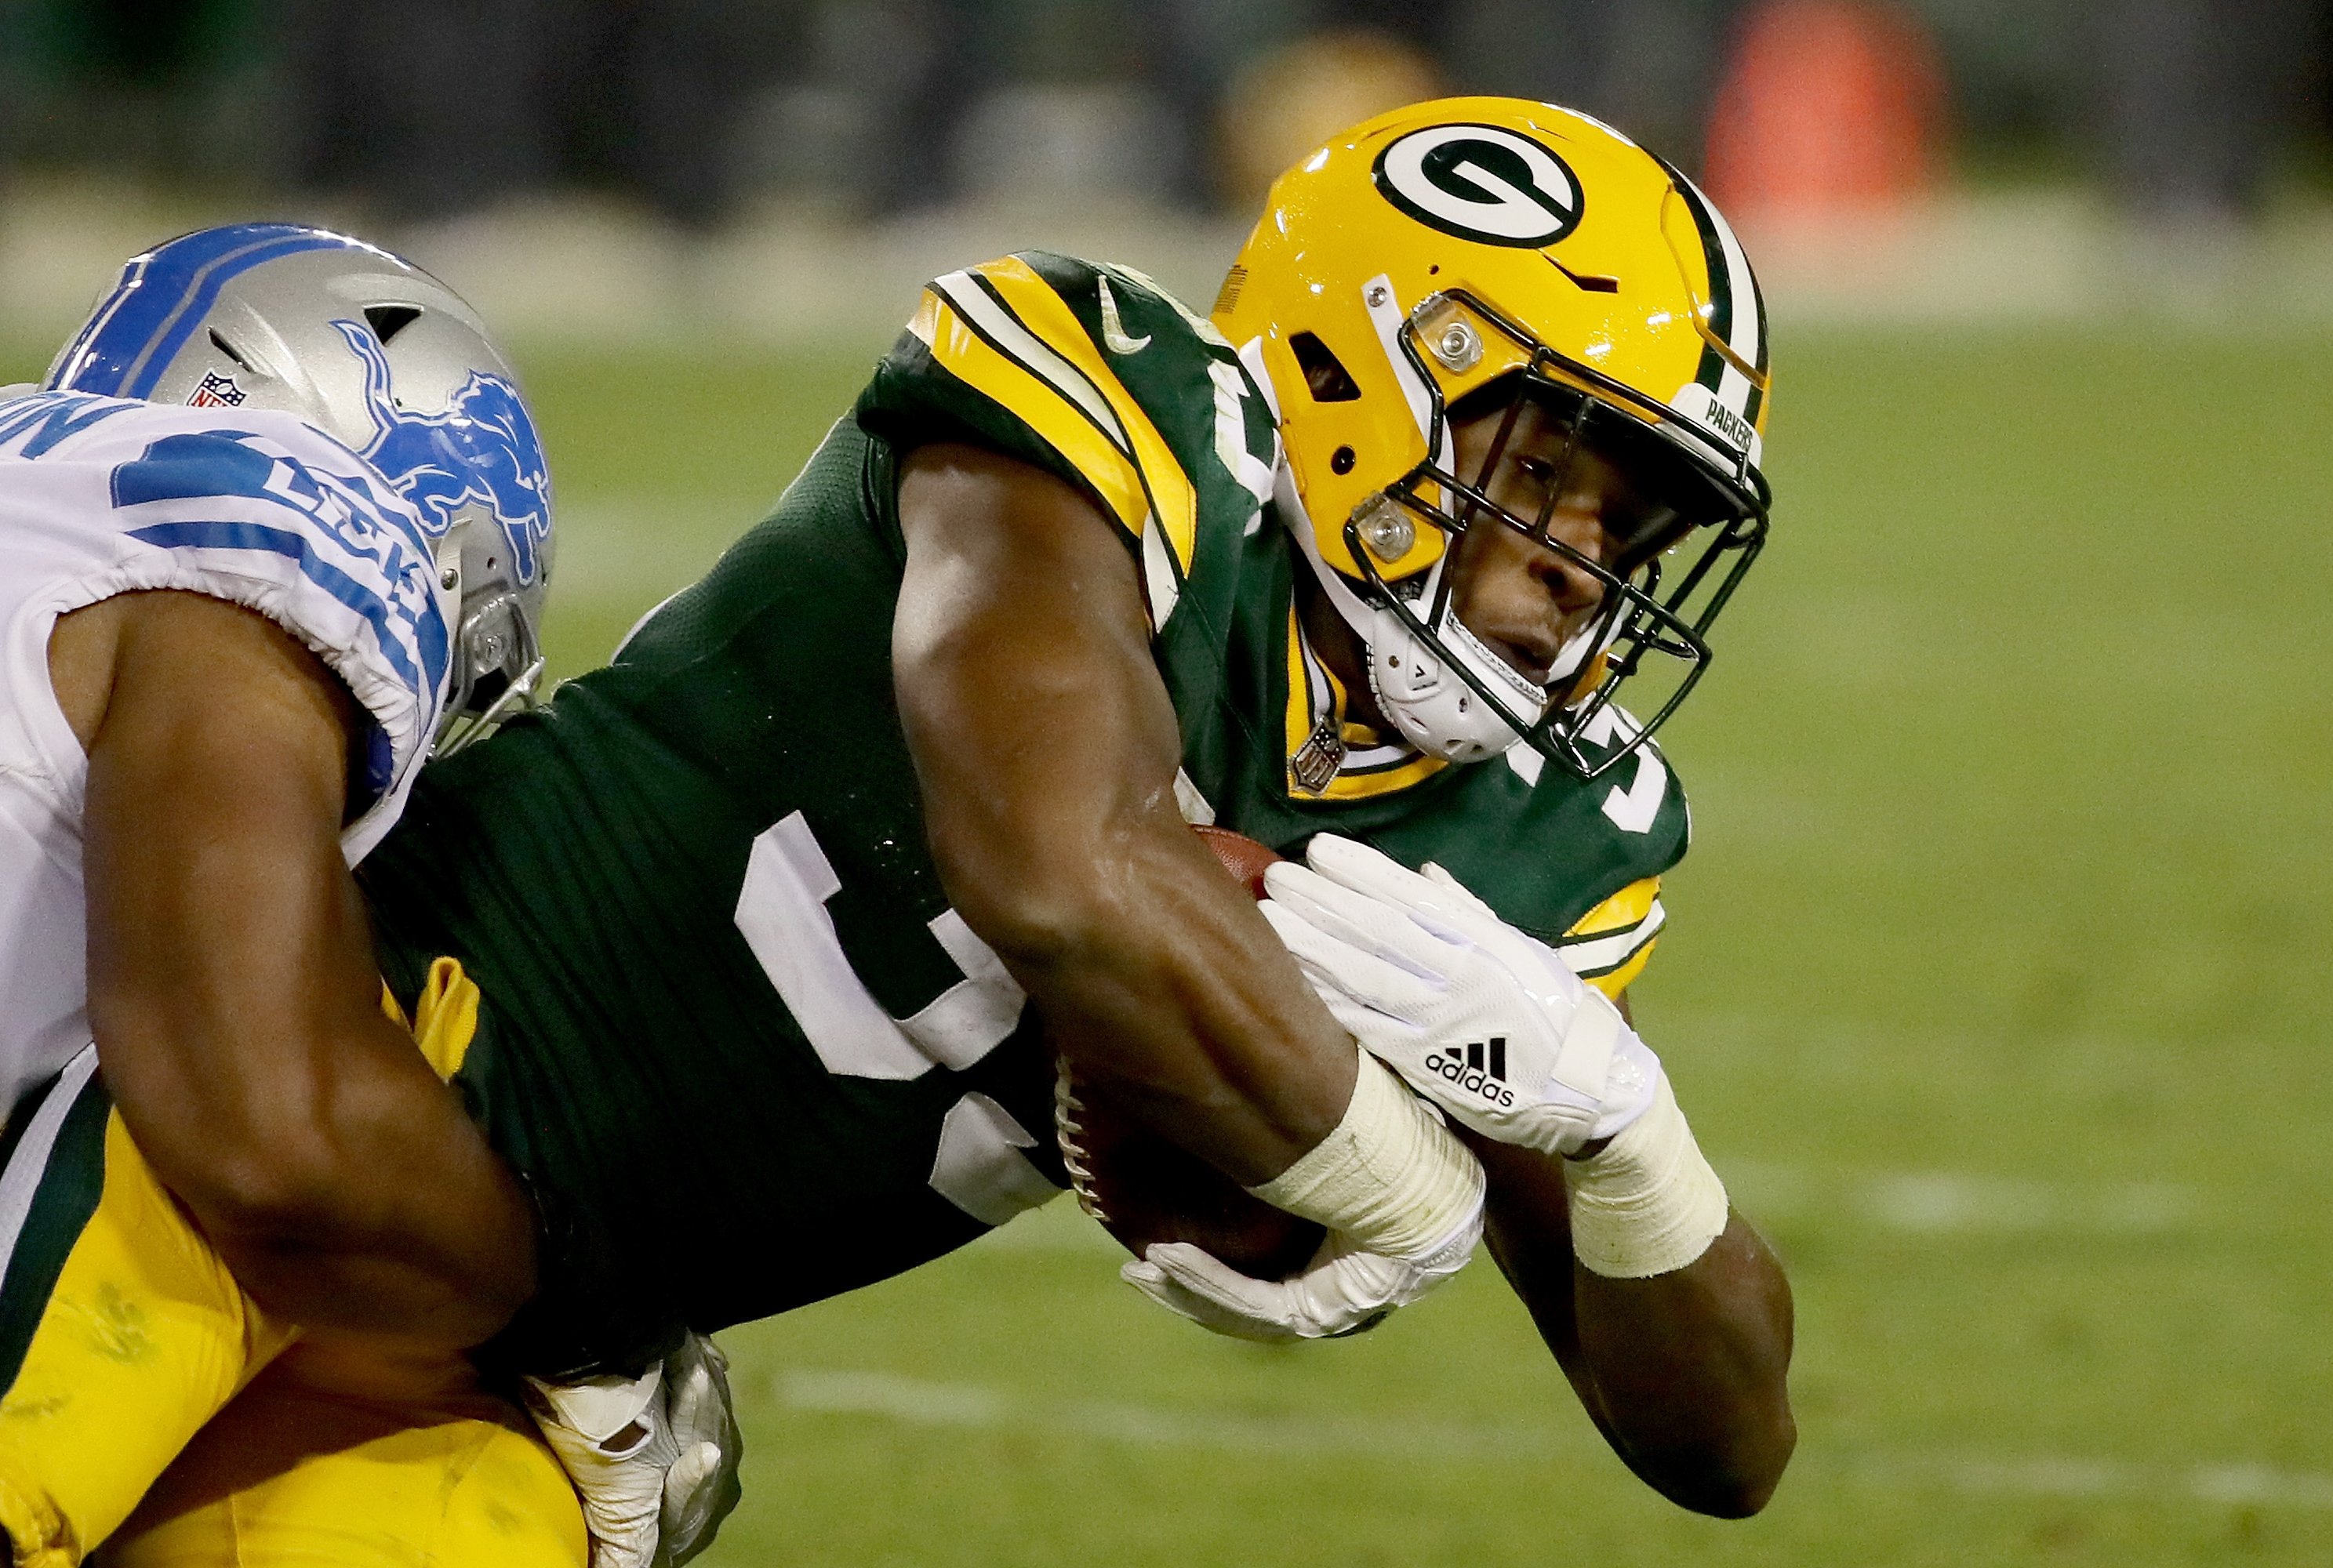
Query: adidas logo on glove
(1473, 1074)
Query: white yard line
(915, 1401)
(1940, 1203)
(2107, 1479)
(919, 1403)
(1949, 1203)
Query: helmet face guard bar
(1583, 731)
(498, 677)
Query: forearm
(340, 1179)
(1683, 1371)
(389, 1214)
(1686, 1372)
(234, 995)
(1168, 988)
(1194, 1027)
(1047, 750)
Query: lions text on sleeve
(100, 496)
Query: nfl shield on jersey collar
(1330, 757)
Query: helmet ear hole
(388, 320)
(1325, 375)
(218, 341)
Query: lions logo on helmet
(482, 449)
(1472, 253)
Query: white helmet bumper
(1436, 708)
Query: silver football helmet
(377, 353)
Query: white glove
(1342, 1291)
(654, 1458)
(1483, 1020)
(701, 1489)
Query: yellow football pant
(338, 1457)
(129, 1357)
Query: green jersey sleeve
(1096, 374)
(1575, 861)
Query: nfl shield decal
(216, 391)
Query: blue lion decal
(483, 448)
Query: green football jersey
(728, 1015)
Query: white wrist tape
(1390, 1176)
(1649, 1203)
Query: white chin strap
(1431, 705)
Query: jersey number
(782, 913)
(1635, 808)
(1632, 811)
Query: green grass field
(1996, 984)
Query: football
(1241, 855)
(1145, 1189)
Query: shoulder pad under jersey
(1575, 861)
(104, 496)
(1098, 374)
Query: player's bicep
(1038, 720)
(225, 934)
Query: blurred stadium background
(1998, 980)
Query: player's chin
(1528, 633)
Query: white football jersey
(99, 496)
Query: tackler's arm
(233, 991)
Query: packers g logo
(1481, 183)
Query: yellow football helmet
(1472, 248)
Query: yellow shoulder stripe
(967, 356)
(1620, 979)
(1607, 947)
(1624, 908)
(1048, 318)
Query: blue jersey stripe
(293, 546)
(164, 296)
(51, 418)
(380, 545)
